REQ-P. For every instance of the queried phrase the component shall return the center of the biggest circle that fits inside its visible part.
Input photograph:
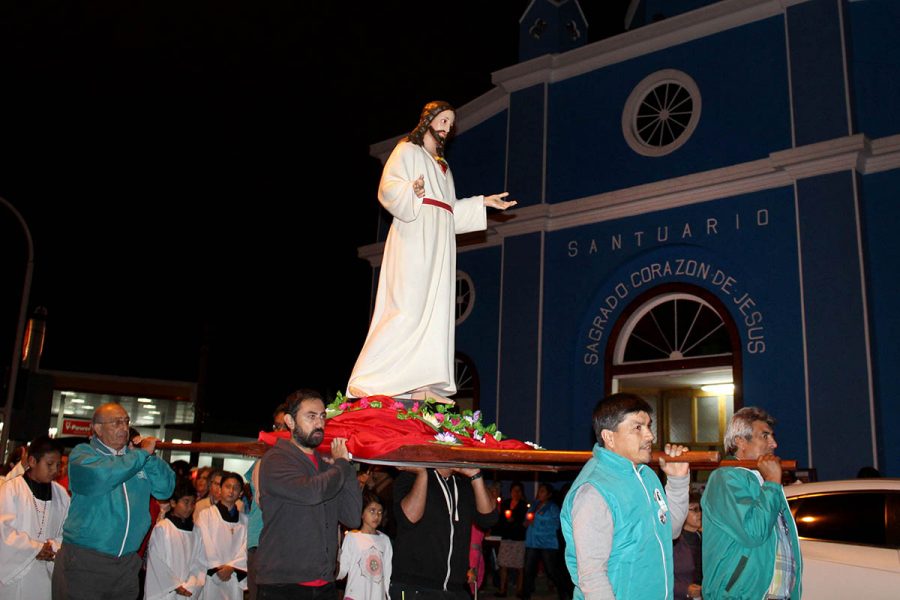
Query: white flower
(478, 436)
(431, 420)
(535, 446)
(446, 438)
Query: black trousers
(292, 591)
(405, 591)
(553, 569)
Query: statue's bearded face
(435, 126)
(441, 127)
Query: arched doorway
(677, 346)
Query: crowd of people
(304, 525)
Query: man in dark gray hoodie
(303, 498)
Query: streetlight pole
(20, 329)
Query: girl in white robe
(366, 556)
(33, 508)
(223, 529)
(175, 562)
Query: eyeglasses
(120, 422)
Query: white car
(849, 537)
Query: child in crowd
(687, 552)
(213, 491)
(33, 508)
(223, 529)
(366, 555)
(175, 552)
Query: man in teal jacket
(750, 545)
(617, 520)
(111, 486)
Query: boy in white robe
(175, 566)
(33, 508)
(223, 529)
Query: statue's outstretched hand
(497, 201)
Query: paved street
(543, 590)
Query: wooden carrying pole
(442, 456)
(255, 449)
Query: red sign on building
(79, 427)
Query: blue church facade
(743, 158)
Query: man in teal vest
(750, 545)
(617, 519)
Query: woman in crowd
(542, 544)
(511, 527)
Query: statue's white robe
(411, 339)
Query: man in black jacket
(303, 497)
(435, 510)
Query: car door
(850, 543)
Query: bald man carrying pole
(108, 517)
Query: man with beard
(408, 352)
(617, 519)
(305, 497)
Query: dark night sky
(198, 173)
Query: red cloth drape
(374, 432)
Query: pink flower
(344, 406)
(396, 405)
(415, 407)
(363, 403)
(439, 417)
(454, 422)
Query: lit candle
(508, 515)
(530, 516)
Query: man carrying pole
(750, 544)
(617, 519)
